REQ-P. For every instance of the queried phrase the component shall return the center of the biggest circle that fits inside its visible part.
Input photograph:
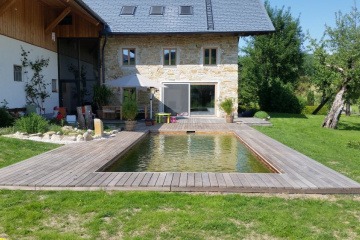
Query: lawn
(330, 147)
(148, 215)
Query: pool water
(189, 153)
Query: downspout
(105, 32)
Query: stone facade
(189, 68)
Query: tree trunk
(331, 120)
(323, 102)
(347, 108)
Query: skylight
(157, 10)
(186, 10)
(128, 10)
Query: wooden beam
(5, 6)
(57, 20)
(81, 12)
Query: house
(191, 47)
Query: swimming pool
(188, 153)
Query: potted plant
(228, 106)
(102, 96)
(130, 111)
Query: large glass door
(78, 71)
(202, 100)
(176, 99)
(187, 99)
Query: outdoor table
(162, 114)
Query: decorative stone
(50, 133)
(56, 137)
(67, 128)
(87, 136)
(113, 135)
(46, 136)
(114, 131)
(99, 127)
(35, 135)
(58, 133)
(79, 138)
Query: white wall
(10, 55)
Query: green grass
(116, 215)
(147, 215)
(328, 146)
(14, 150)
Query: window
(210, 56)
(169, 57)
(128, 56)
(186, 10)
(54, 85)
(17, 73)
(128, 10)
(157, 10)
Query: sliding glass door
(187, 99)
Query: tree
(35, 88)
(272, 63)
(337, 63)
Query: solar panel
(186, 10)
(157, 10)
(128, 10)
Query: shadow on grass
(287, 115)
(349, 126)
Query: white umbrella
(136, 81)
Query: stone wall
(190, 68)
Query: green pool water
(189, 153)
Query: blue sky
(314, 14)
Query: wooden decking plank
(183, 179)
(168, 179)
(108, 179)
(244, 182)
(153, 179)
(96, 177)
(131, 179)
(191, 180)
(122, 180)
(213, 180)
(235, 180)
(198, 180)
(205, 179)
(229, 180)
(176, 180)
(161, 179)
(145, 181)
(220, 179)
(138, 179)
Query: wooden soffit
(5, 6)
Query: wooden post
(81, 119)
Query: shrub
(7, 130)
(274, 96)
(32, 123)
(310, 109)
(227, 105)
(130, 107)
(6, 119)
(261, 114)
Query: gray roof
(234, 16)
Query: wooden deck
(75, 167)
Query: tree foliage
(273, 63)
(337, 63)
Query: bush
(6, 119)
(7, 130)
(32, 123)
(310, 109)
(275, 96)
(227, 106)
(261, 114)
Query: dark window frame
(128, 62)
(17, 69)
(168, 62)
(186, 10)
(128, 10)
(155, 13)
(210, 60)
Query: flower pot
(229, 119)
(130, 125)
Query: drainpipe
(105, 32)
